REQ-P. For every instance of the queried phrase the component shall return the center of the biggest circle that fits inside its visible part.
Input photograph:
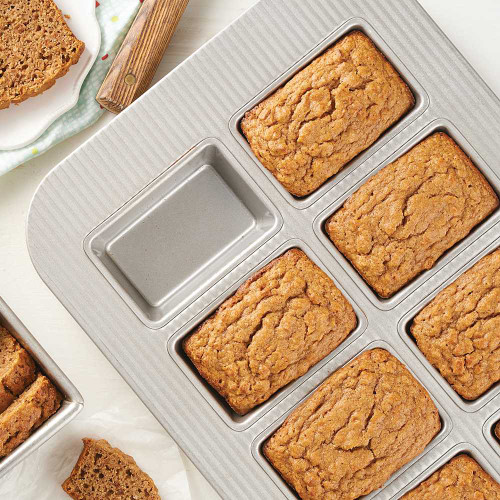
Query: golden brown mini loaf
(280, 323)
(36, 48)
(462, 478)
(459, 331)
(28, 412)
(361, 425)
(104, 472)
(17, 369)
(405, 217)
(328, 113)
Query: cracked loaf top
(407, 215)
(280, 322)
(328, 113)
(460, 479)
(459, 331)
(360, 426)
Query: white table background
(471, 25)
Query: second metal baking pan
(72, 400)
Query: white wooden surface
(472, 26)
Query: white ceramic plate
(23, 123)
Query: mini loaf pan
(72, 400)
(459, 449)
(419, 93)
(435, 126)
(344, 359)
(160, 268)
(404, 327)
(146, 229)
(220, 406)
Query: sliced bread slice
(28, 412)
(17, 369)
(106, 472)
(36, 48)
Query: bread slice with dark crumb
(17, 369)
(36, 48)
(102, 471)
(28, 412)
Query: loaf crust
(497, 430)
(28, 412)
(365, 422)
(462, 478)
(459, 331)
(102, 471)
(406, 216)
(328, 113)
(36, 48)
(280, 322)
(17, 369)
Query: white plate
(23, 123)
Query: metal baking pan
(72, 403)
(147, 228)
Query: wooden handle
(140, 54)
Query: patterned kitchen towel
(115, 18)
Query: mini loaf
(497, 430)
(280, 323)
(459, 331)
(104, 472)
(328, 113)
(360, 426)
(405, 217)
(460, 479)
(28, 412)
(36, 48)
(17, 369)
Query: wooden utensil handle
(140, 54)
